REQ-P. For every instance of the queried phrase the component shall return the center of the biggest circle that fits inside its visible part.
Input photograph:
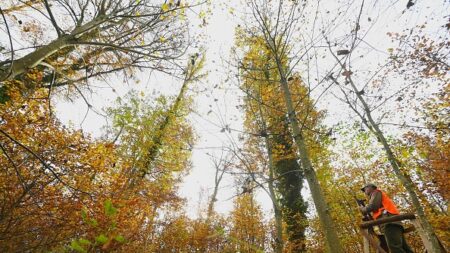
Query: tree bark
(279, 243)
(329, 229)
(212, 201)
(31, 60)
(157, 140)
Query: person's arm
(374, 203)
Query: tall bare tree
(221, 165)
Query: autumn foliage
(63, 190)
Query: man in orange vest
(381, 206)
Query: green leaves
(106, 233)
(4, 97)
(75, 245)
(92, 222)
(84, 241)
(110, 210)
(102, 239)
(84, 214)
(120, 239)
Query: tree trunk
(213, 199)
(211, 203)
(279, 243)
(153, 151)
(329, 229)
(31, 60)
(289, 184)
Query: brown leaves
(424, 56)
(347, 73)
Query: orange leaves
(248, 232)
(424, 56)
(433, 161)
(46, 197)
(433, 147)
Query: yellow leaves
(58, 146)
(34, 75)
(173, 10)
(182, 15)
(19, 7)
(202, 14)
(162, 39)
(165, 7)
(247, 230)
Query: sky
(218, 38)
(216, 97)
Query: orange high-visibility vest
(386, 204)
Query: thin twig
(11, 45)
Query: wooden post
(366, 243)
(370, 240)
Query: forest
(221, 126)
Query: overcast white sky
(223, 98)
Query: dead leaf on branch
(347, 73)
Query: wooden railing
(369, 239)
(394, 218)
